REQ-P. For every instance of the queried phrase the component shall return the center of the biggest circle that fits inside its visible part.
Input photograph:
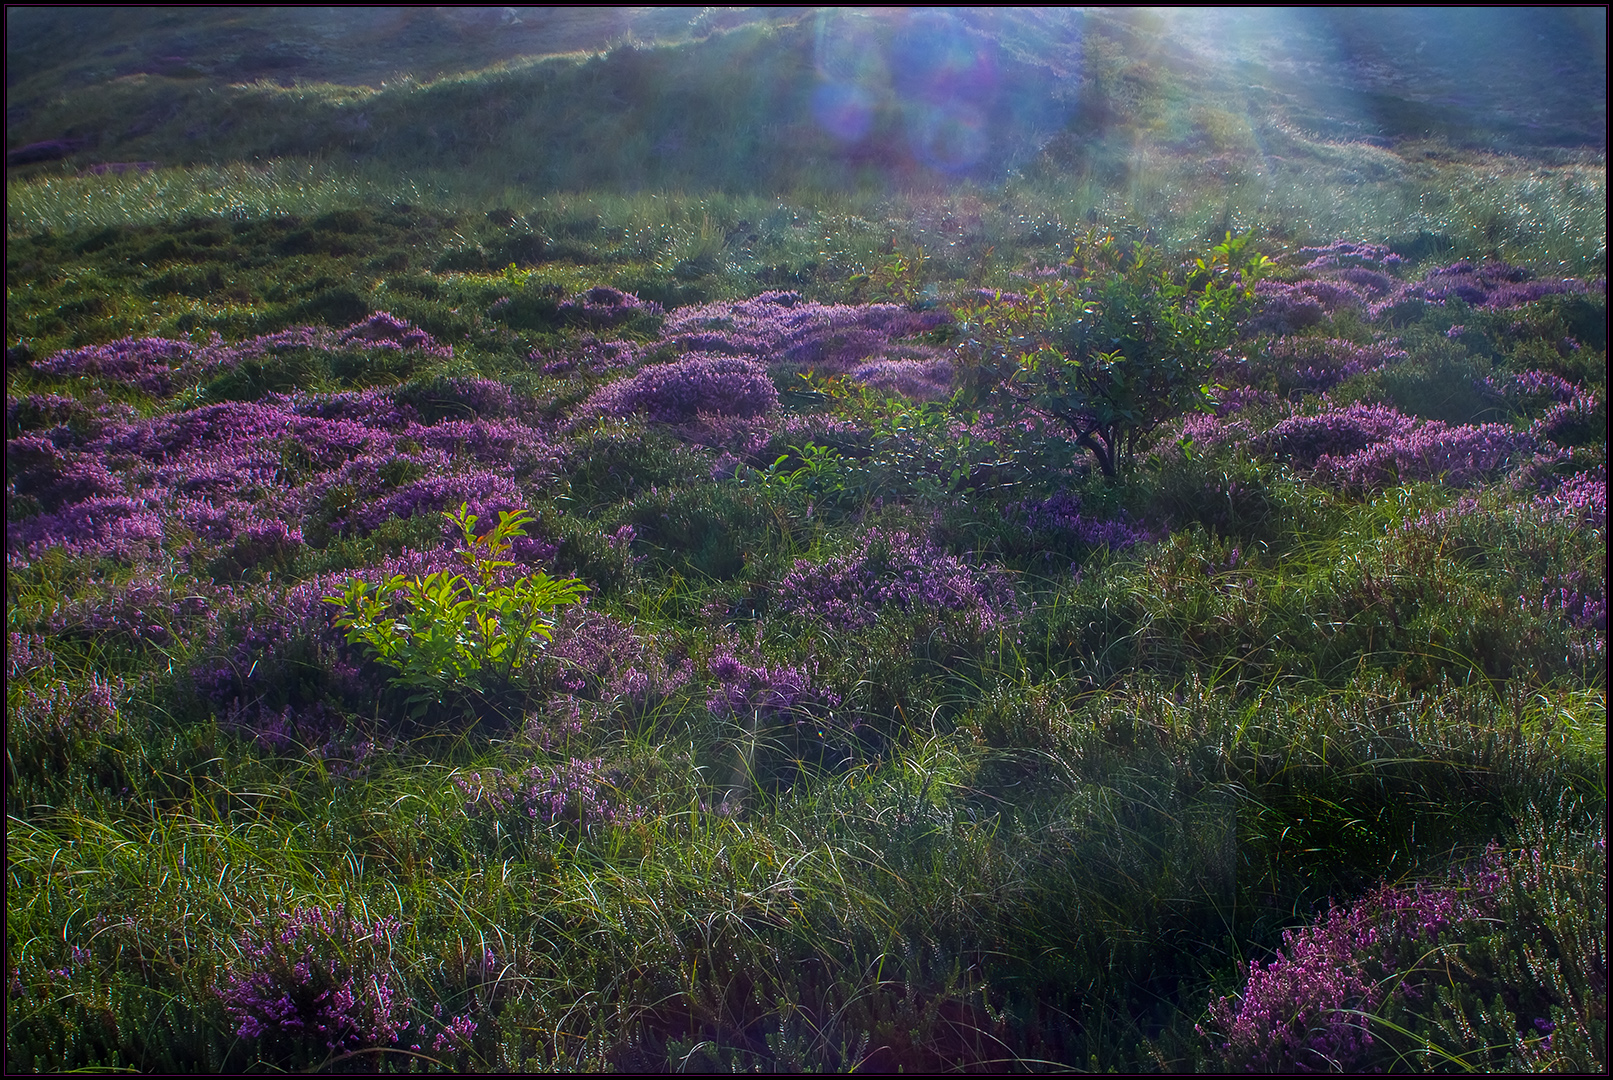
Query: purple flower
(1300, 1011)
(1061, 516)
(64, 710)
(1580, 498)
(920, 379)
(1314, 364)
(1336, 433)
(1347, 253)
(599, 657)
(1455, 455)
(776, 695)
(683, 389)
(605, 306)
(159, 365)
(894, 570)
(791, 333)
(383, 330)
(27, 654)
(580, 794)
(1580, 420)
(146, 363)
(590, 354)
(117, 527)
(315, 978)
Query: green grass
(1048, 845)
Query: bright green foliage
(453, 629)
(1119, 346)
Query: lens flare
(844, 110)
(927, 72)
(949, 137)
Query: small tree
(1116, 347)
(447, 631)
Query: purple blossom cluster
(315, 729)
(65, 420)
(1529, 390)
(1453, 454)
(922, 379)
(462, 397)
(1582, 498)
(602, 659)
(1564, 598)
(64, 711)
(26, 656)
(605, 306)
(145, 363)
(790, 333)
(1304, 1011)
(1286, 307)
(893, 570)
(1060, 516)
(39, 468)
(316, 977)
(1581, 419)
(383, 330)
(590, 354)
(1236, 399)
(158, 366)
(679, 391)
(150, 608)
(1488, 285)
(241, 480)
(1351, 276)
(1336, 433)
(1203, 433)
(759, 441)
(771, 695)
(1316, 364)
(580, 793)
(1349, 253)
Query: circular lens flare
(949, 137)
(844, 110)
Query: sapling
(457, 629)
(1112, 354)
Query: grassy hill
(1087, 529)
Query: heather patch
(313, 985)
(580, 794)
(1362, 279)
(1310, 1009)
(161, 367)
(792, 334)
(1455, 456)
(597, 658)
(1311, 364)
(1337, 433)
(1093, 525)
(685, 388)
(249, 482)
(1369, 985)
(1154, 619)
(894, 570)
(604, 306)
(1059, 521)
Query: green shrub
(1114, 354)
(457, 632)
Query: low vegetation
(1041, 624)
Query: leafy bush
(1120, 349)
(456, 630)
